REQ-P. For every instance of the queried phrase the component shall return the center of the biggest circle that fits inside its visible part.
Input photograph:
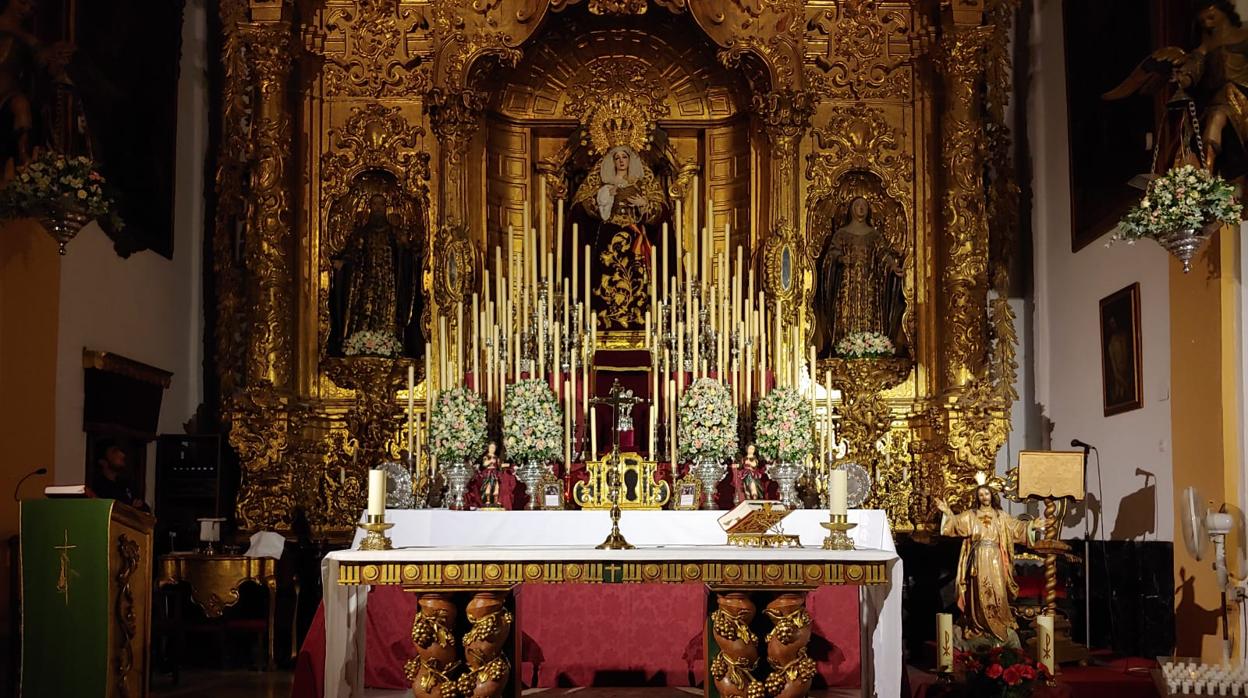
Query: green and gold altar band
(484, 575)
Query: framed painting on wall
(1121, 375)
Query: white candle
(1044, 643)
(559, 242)
(944, 642)
(593, 434)
(376, 492)
(576, 234)
(411, 409)
(837, 492)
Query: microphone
(27, 476)
(1076, 443)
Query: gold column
(267, 246)
(964, 277)
(455, 115)
(784, 116)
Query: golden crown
(615, 123)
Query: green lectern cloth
(65, 610)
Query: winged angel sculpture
(1215, 72)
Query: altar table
(447, 550)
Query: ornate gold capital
(784, 114)
(455, 115)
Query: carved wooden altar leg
(738, 646)
(436, 659)
(488, 668)
(791, 669)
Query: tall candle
(411, 409)
(671, 424)
(593, 434)
(376, 492)
(558, 248)
(838, 487)
(476, 344)
(428, 373)
(944, 643)
(567, 416)
(588, 301)
(541, 223)
(697, 198)
(827, 411)
(1044, 643)
(667, 291)
(459, 342)
(576, 233)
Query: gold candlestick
(615, 539)
(838, 536)
(375, 538)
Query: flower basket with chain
(63, 193)
(1180, 210)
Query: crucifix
(621, 402)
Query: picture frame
(1122, 386)
(686, 493)
(550, 493)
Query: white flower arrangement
(784, 430)
(532, 423)
(457, 426)
(708, 422)
(1185, 198)
(864, 345)
(372, 343)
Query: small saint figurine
(748, 476)
(986, 566)
(492, 468)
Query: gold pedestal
(615, 539)
(376, 538)
(838, 536)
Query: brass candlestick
(615, 539)
(838, 536)
(375, 538)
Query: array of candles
(1192, 677)
(532, 317)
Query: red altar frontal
(586, 617)
(593, 635)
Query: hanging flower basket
(62, 193)
(1180, 210)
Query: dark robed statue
(378, 280)
(860, 285)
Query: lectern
(86, 598)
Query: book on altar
(753, 516)
(65, 491)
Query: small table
(215, 579)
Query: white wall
(1068, 289)
(146, 308)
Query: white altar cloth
(429, 535)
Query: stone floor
(277, 684)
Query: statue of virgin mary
(622, 193)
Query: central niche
(612, 121)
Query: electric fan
(1202, 527)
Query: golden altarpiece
(437, 126)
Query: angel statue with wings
(624, 194)
(1216, 72)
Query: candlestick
(567, 422)
(376, 492)
(944, 643)
(588, 298)
(476, 344)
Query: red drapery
(589, 634)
